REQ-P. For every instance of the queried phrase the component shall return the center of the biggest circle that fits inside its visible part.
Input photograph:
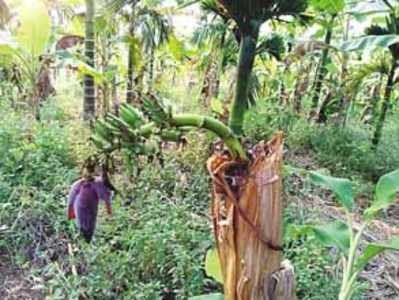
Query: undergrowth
(154, 245)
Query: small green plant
(342, 234)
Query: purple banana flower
(83, 203)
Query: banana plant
(344, 237)
(256, 233)
(27, 50)
(385, 37)
(328, 14)
(391, 27)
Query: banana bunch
(155, 110)
(111, 131)
(137, 132)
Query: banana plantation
(199, 149)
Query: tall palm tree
(148, 27)
(153, 29)
(89, 104)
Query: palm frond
(271, 45)
(381, 64)
(376, 30)
(262, 10)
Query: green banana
(102, 130)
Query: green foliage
(348, 150)
(370, 42)
(212, 265)
(333, 234)
(342, 187)
(385, 192)
(372, 250)
(262, 10)
(34, 33)
(314, 269)
(348, 240)
(35, 170)
(331, 7)
(153, 248)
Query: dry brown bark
(247, 222)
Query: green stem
(385, 105)
(350, 276)
(184, 121)
(215, 126)
(322, 71)
(249, 38)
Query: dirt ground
(13, 283)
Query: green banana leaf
(34, 32)
(333, 234)
(340, 186)
(385, 193)
(329, 6)
(369, 42)
(372, 250)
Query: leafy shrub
(35, 171)
(153, 248)
(348, 150)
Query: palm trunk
(385, 106)
(205, 90)
(375, 99)
(247, 222)
(89, 104)
(219, 69)
(151, 69)
(322, 71)
(130, 79)
(249, 38)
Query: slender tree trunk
(322, 71)
(301, 86)
(322, 115)
(151, 69)
(375, 99)
(219, 69)
(249, 38)
(368, 115)
(206, 85)
(283, 96)
(130, 79)
(89, 104)
(385, 106)
(247, 222)
(114, 96)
